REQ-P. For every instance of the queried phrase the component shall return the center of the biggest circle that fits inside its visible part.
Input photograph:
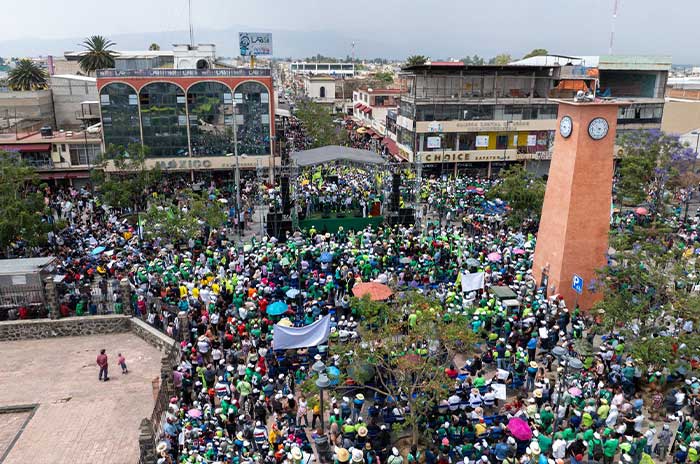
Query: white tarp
(301, 337)
(471, 282)
(500, 390)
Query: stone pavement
(79, 419)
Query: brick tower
(573, 234)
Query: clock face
(598, 128)
(566, 125)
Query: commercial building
(320, 89)
(333, 69)
(483, 118)
(187, 117)
(370, 107)
(75, 101)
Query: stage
(332, 223)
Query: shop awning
(370, 131)
(65, 175)
(366, 109)
(27, 147)
(359, 105)
(392, 147)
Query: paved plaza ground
(79, 419)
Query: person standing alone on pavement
(102, 362)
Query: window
(104, 99)
(85, 154)
(163, 106)
(252, 128)
(322, 92)
(120, 117)
(210, 106)
(501, 142)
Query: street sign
(577, 284)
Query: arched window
(164, 119)
(210, 106)
(322, 92)
(252, 118)
(120, 115)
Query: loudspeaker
(395, 194)
(278, 227)
(407, 216)
(284, 188)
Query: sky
(387, 28)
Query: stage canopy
(331, 153)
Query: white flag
(301, 337)
(471, 282)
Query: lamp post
(322, 382)
(569, 362)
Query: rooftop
(75, 77)
(162, 72)
(374, 91)
(58, 137)
(24, 265)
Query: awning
(27, 147)
(366, 109)
(361, 130)
(370, 131)
(358, 105)
(65, 175)
(391, 147)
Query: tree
(475, 60)
(129, 185)
(27, 75)
(501, 59)
(523, 192)
(98, 54)
(416, 60)
(178, 219)
(652, 168)
(318, 124)
(22, 204)
(537, 52)
(401, 359)
(384, 77)
(154, 47)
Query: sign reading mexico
(255, 43)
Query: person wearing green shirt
(545, 443)
(479, 381)
(609, 449)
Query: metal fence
(22, 302)
(101, 296)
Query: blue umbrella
(292, 293)
(326, 257)
(277, 308)
(98, 250)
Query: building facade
(370, 107)
(337, 69)
(484, 118)
(320, 89)
(187, 117)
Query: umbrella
(277, 308)
(285, 322)
(326, 257)
(98, 250)
(405, 260)
(518, 251)
(575, 391)
(472, 262)
(642, 211)
(292, 293)
(223, 200)
(519, 429)
(375, 290)
(494, 257)
(194, 413)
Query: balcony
(168, 73)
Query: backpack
(598, 450)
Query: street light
(322, 382)
(569, 362)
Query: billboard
(433, 142)
(255, 43)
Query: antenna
(616, 4)
(189, 10)
(352, 53)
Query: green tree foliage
(405, 357)
(652, 167)
(501, 59)
(27, 75)
(523, 192)
(416, 60)
(129, 187)
(318, 122)
(179, 219)
(154, 47)
(537, 52)
(22, 204)
(475, 60)
(97, 55)
(384, 77)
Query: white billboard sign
(433, 142)
(255, 43)
(482, 141)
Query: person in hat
(342, 455)
(395, 457)
(357, 404)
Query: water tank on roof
(46, 131)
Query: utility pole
(612, 26)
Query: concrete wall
(67, 96)
(681, 117)
(36, 104)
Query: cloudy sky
(391, 28)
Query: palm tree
(27, 75)
(154, 47)
(416, 60)
(98, 54)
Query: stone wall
(151, 335)
(70, 327)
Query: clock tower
(573, 235)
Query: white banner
(500, 390)
(471, 282)
(301, 337)
(482, 141)
(433, 142)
